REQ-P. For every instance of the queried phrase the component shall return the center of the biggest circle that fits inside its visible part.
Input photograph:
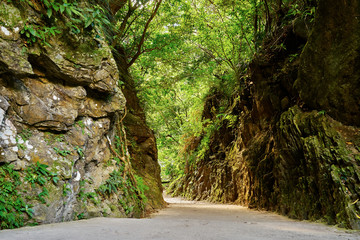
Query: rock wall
(142, 147)
(291, 149)
(329, 72)
(60, 109)
(141, 141)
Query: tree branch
(138, 53)
(116, 5)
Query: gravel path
(189, 221)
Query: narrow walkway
(189, 221)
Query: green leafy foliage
(93, 197)
(62, 152)
(78, 18)
(141, 188)
(12, 206)
(38, 174)
(80, 151)
(301, 10)
(51, 138)
(95, 16)
(128, 193)
(52, 6)
(81, 124)
(197, 46)
(322, 112)
(25, 134)
(21, 146)
(112, 184)
(80, 216)
(33, 33)
(66, 189)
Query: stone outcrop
(142, 146)
(60, 105)
(295, 145)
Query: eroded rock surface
(142, 146)
(284, 152)
(59, 106)
(329, 72)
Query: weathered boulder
(86, 63)
(43, 104)
(12, 58)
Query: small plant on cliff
(209, 130)
(81, 124)
(80, 151)
(322, 112)
(63, 152)
(93, 197)
(66, 189)
(59, 138)
(25, 134)
(303, 11)
(112, 184)
(80, 216)
(21, 145)
(142, 187)
(292, 57)
(38, 174)
(41, 34)
(13, 208)
(131, 194)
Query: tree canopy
(196, 48)
(179, 52)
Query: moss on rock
(329, 71)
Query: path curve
(186, 220)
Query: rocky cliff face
(60, 126)
(141, 141)
(295, 145)
(142, 147)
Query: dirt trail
(186, 220)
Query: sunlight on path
(186, 220)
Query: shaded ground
(185, 220)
